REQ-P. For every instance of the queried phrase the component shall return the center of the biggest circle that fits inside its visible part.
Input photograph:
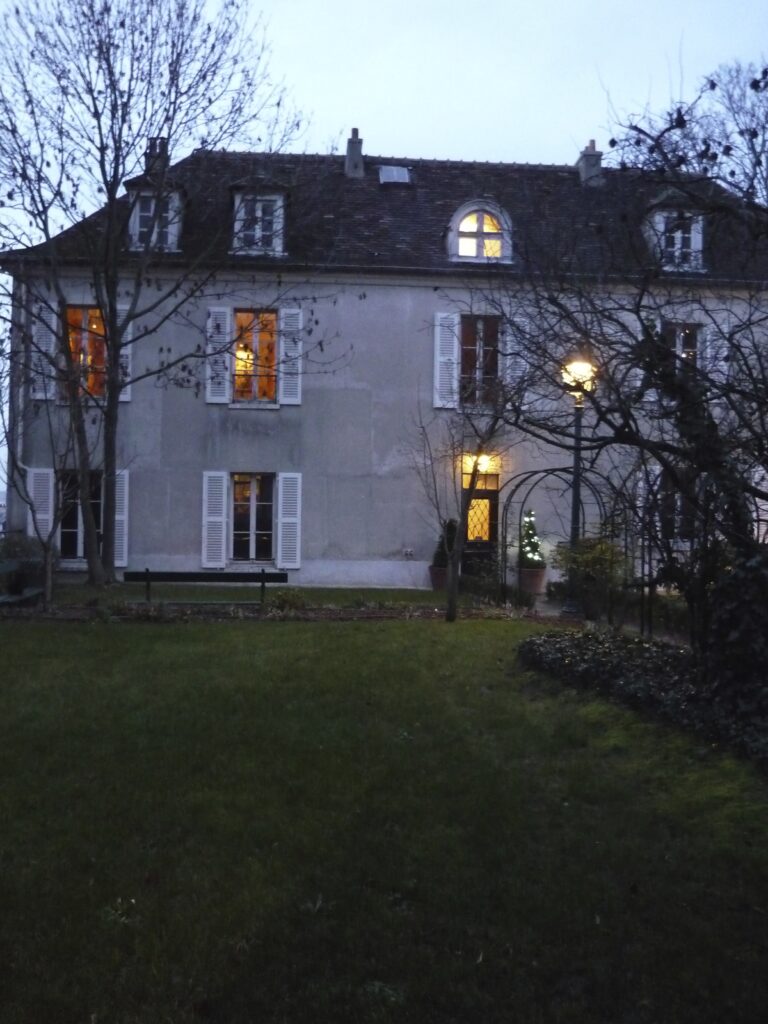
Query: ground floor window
(253, 517)
(71, 528)
(482, 520)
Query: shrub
(285, 600)
(17, 547)
(29, 553)
(658, 678)
(598, 568)
(739, 623)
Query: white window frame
(165, 227)
(217, 521)
(253, 509)
(455, 235)
(220, 359)
(248, 238)
(685, 232)
(511, 368)
(45, 480)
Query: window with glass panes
(255, 356)
(85, 334)
(479, 357)
(253, 517)
(71, 527)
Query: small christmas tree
(530, 543)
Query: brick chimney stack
(589, 165)
(353, 164)
(156, 155)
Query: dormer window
(677, 239)
(480, 233)
(258, 224)
(156, 221)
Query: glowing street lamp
(579, 379)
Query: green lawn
(359, 822)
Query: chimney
(353, 164)
(156, 156)
(589, 165)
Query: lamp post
(579, 379)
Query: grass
(359, 822)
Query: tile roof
(335, 221)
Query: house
(311, 310)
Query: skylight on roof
(391, 175)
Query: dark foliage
(653, 677)
(737, 649)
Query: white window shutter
(512, 362)
(41, 512)
(278, 222)
(218, 338)
(43, 354)
(446, 383)
(121, 519)
(126, 351)
(215, 485)
(289, 521)
(289, 371)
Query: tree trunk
(47, 575)
(96, 575)
(110, 475)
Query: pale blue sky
(497, 79)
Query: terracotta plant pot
(532, 580)
(438, 575)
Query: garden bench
(261, 576)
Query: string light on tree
(530, 543)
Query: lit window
(255, 356)
(483, 512)
(480, 234)
(85, 335)
(252, 517)
(258, 224)
(479, 373)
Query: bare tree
(449, 454)
(720, 135)
(73, 130)
(659, 278)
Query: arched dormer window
(480, 232)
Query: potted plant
(532, 567)
(438, 570)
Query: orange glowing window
(480, 236)
(255, 355)
(85, 333)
